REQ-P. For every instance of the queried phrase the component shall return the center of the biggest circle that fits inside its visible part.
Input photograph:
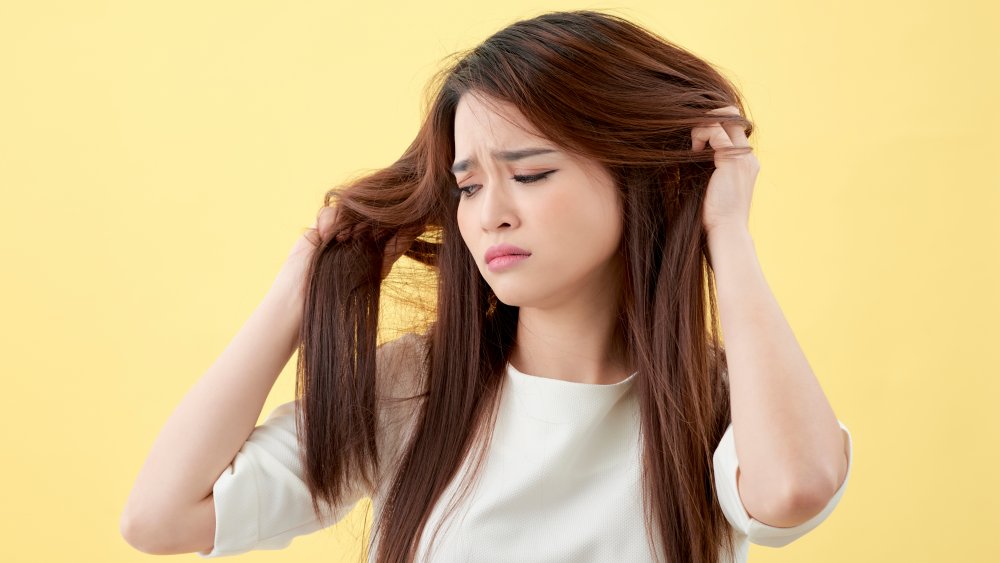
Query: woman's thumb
(325, 220)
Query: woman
(580, 191)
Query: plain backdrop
(158, 161)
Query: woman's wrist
(289, 287)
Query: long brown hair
(598, 86)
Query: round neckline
(561, 402)
(569, 384)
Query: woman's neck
(579, 343)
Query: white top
(560, 450)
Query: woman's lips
(506, 261)
(504, 255)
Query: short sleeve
(261, 499)
(726, 463)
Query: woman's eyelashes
(465, 191)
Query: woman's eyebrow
(509, 156)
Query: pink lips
(503, 255)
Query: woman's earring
(492, 300)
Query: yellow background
(158, 161)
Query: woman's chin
(508, 300)
(518, 296)
(512, 297)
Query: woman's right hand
(294, 271)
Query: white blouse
(561, 482)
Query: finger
(727, 110)
(735, 130)
(713, 134)
(330, 220)
(736, 134)
(313, 237)
(710, 133)
(322, 222)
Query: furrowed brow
(509, 156)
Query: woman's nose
(498, 208)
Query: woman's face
(561, 209)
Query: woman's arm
(790, 446)
(170, 508)
(213, 420)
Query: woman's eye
(465, 191)
(534, 178)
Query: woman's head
(518, 188)
(617, 103)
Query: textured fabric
(561, 482)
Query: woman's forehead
(491, 118)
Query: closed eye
(465, 190)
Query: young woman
(580, 191)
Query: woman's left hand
(727, 199)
